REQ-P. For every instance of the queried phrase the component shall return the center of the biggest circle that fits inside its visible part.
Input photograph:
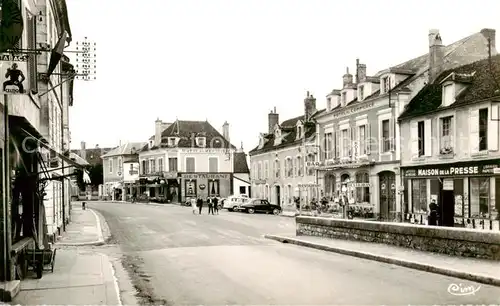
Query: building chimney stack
(347, 78)
(436, 55)
(309, 106)
(225, 131)
(158, 131)
(273, 118)
(360, 72)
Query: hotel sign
(453, 170)
(206, 176)
(204, 150)
(353, 110)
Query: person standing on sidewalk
(210, 206)
(216, 207)
(193, 205)
(199, 203)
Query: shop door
(278, 195)
(387, 192)
(447, 202)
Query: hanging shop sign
(13, 69)
(457, 169)
(205, 176)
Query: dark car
(260, 205)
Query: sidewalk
(478, 270)
(81, 275)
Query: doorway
(449, 189)
(387, 195)
(278, 195)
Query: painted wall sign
(353, 110)
(204, 150)
(205, 176)
(457, 169)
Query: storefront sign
(206, 176)
(448, 184)
(170, 175)
(307, 185)
(204, 150)
(258, 182)
(361, 184)
(457, 169)
(353, 110)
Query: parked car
(260, 205)
(232, 203)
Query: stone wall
(445, 240)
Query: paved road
(175, 257)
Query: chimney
(489, 34)
(273, 119)
(225, 131)
(436, 55)
(309, 106)
(360, 72)
(347, 78)
(158, 130)
(83, 151)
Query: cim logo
(462, 290)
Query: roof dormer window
(361, 92)
(150, 144)
(172, 141)
(344, 99)
(385, 84)
(328, 104)
(201, 141)
(448, 94)
(300, 131)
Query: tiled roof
(186, 130)
(125, 149)
(478, 77)
(93, 156)
(240, 163)
(289, 134)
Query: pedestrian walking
(199, 203)
(216, 205)
(210, 206)
(193, 205)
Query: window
(294, 166)
(190, 164)
(328, 146)
(172, 164)
(483, 129)
(345, 143)
(259, 170)
(448, 97)
(386, 138)
(213, 164)
(328, 103)
(213, 188)
(300, 166)
(171, 141)
(344, 98)
(310, 168)
(419, 195)
(386, 84)
(277, 168)
(144, 169)
(152, 166)
(289, 193)
(479, 196)
(446, 135)
(110, 165)
(289, 167)
(299, 132)
(362, 187)
(201, 141)
(160, 164)
(266, 169)
(361, 92)
(421, 138)
(362, 139)
(120, 165)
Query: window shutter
(337, 144)
(474, 131)
(428, 137)
(325, 146)
(493, 129)
(452, 133)
(349, 142)
(414, 138)
(368, 138)
(392, 130)
(355, 142)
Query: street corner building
(451, 152)
(278, 164)
(187, 159)
(36, 164)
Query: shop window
(419, 195)
(214, 188)
(330, 185)
(190, 188)
(479, 196)
(483, 129)
(362, 188)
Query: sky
(235, 60)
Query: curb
(99, 241)
(488, 280)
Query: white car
(232, 203)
